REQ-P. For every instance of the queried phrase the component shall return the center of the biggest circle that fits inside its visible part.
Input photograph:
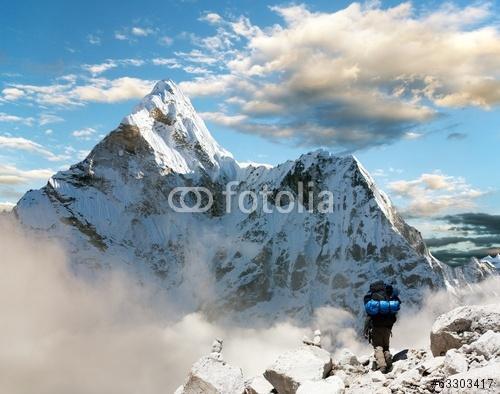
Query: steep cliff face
(118, 208)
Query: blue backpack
(382, 300)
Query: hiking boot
(380, 359)
(388, 360)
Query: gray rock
(410, 377)
(342, 375)
(455, 362)
(463, 325)
(488, 345)
(213, 376)
(331, 385)
(258, 385)
(489, 374)
(291, 369)
(346, 357)
(431, 365)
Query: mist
(63, 334)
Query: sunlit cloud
(326, 76)
(434, 194)
(8, 118)
(84, 134)
(11, 175)
(24, 144)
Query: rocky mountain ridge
(464, 357)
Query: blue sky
(411, 89)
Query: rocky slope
(113, 210)
(465, 358)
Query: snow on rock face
(293, 368)
(213, 376)
(178, 137)
(495, 261)
(463, 325)
(112, 209)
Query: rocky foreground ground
(464, 357)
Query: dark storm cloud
(475, 223)
(481, 229)
(485, 241)
(462, 256)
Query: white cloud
(141, 31)
(20, 143)
(196, 70)
(112, 63)
(170, 62)
(55, 94)
(211, 17)
(10, 175)
(197, 56)
(166, 40)
(12, 94)
(109, 91)
(93, 89)
(28, 121)
(411, 135)
(94, 39)
(100, 68)
(215, 85)
(84, 134)
(47, 118)
(434, 193)
(6, 206)
(121, 36)
(358, 77)
(223, 119)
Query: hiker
(381, 305)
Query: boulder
(431, 365)
(455, 362)
(463, 325)
(409, 378)
(487, 379)
(291, 369)
(258, 385)
(331, 385)
(346, 357)
(488, 345)
(211, 375)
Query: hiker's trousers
(381, 337)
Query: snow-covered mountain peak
(166, 128)
(236, 258)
